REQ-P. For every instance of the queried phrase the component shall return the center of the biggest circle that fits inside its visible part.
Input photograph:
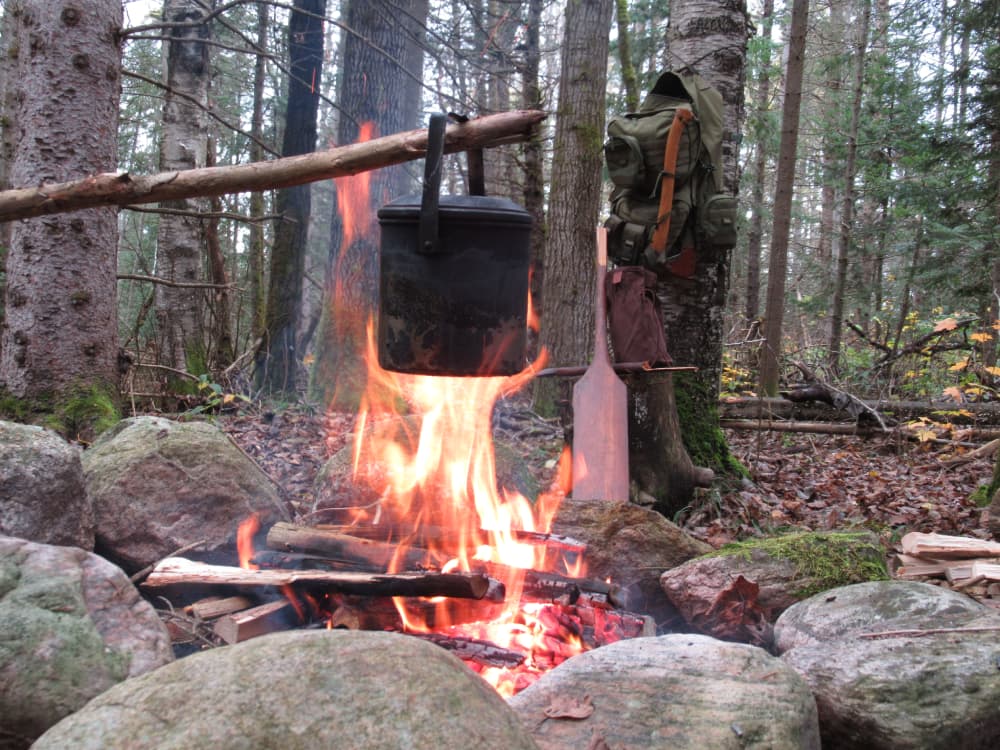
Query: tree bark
(120, 189)
(60, 332)
(277, 359)
(708, 37)
(575, 193)
(770, 360)
(255, 263)
(381, 92)
(180, 240)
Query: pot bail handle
(429, 243)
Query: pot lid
(460, 207)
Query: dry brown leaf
(948, 324)
(567, 707)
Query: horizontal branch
(168, 282)
(119, 189)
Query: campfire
(425, 542)
(441, 552)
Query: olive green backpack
(668, 200)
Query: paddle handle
(600, 304)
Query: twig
(930, 631)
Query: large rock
(300, 690)
(676, 691)
(42, 493)
(71, 626)
(158, 485)
(631, 545)
(776, 572)
(934, 690)
(875, 606)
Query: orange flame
(244, 541)
(353, 196)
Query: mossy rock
(785, 569)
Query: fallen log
(120, 189)
(177, 570)
(783, 408)
(814, 428)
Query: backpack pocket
(625, 162)
(717, 220)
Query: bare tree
(277, 359)
(778, 258)
(567, 326)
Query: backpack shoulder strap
(682, 116)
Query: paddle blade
(600, 435)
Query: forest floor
(887, 484)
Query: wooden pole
(120, 189)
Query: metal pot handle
(429, 243)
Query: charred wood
(177, 570)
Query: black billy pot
(453, 277)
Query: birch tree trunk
(568, 323)
(180, 239)
(710, 38)
(60, 333)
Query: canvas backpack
(662, 211)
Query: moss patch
(826, 559)
(703, 438)
(79, 413)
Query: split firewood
(177, 570)
(216, 606)
(946, 547)
(973, 572)
(267, 618)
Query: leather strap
(682, 116)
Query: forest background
(879, 272)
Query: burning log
(472, 649)
(267, 618)
(368, 552)
(177, 570)
(426, 535)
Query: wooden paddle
(600, 419)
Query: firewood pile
(964, 563)
(335, 577)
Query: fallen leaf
(954, 393)
(980, 337)
(567, 707)
(948, 324)
(959, 365)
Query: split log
(973, 572)
(120, 189)
(216, 606)
(944, 547)
(267, 618)
(177, 570)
